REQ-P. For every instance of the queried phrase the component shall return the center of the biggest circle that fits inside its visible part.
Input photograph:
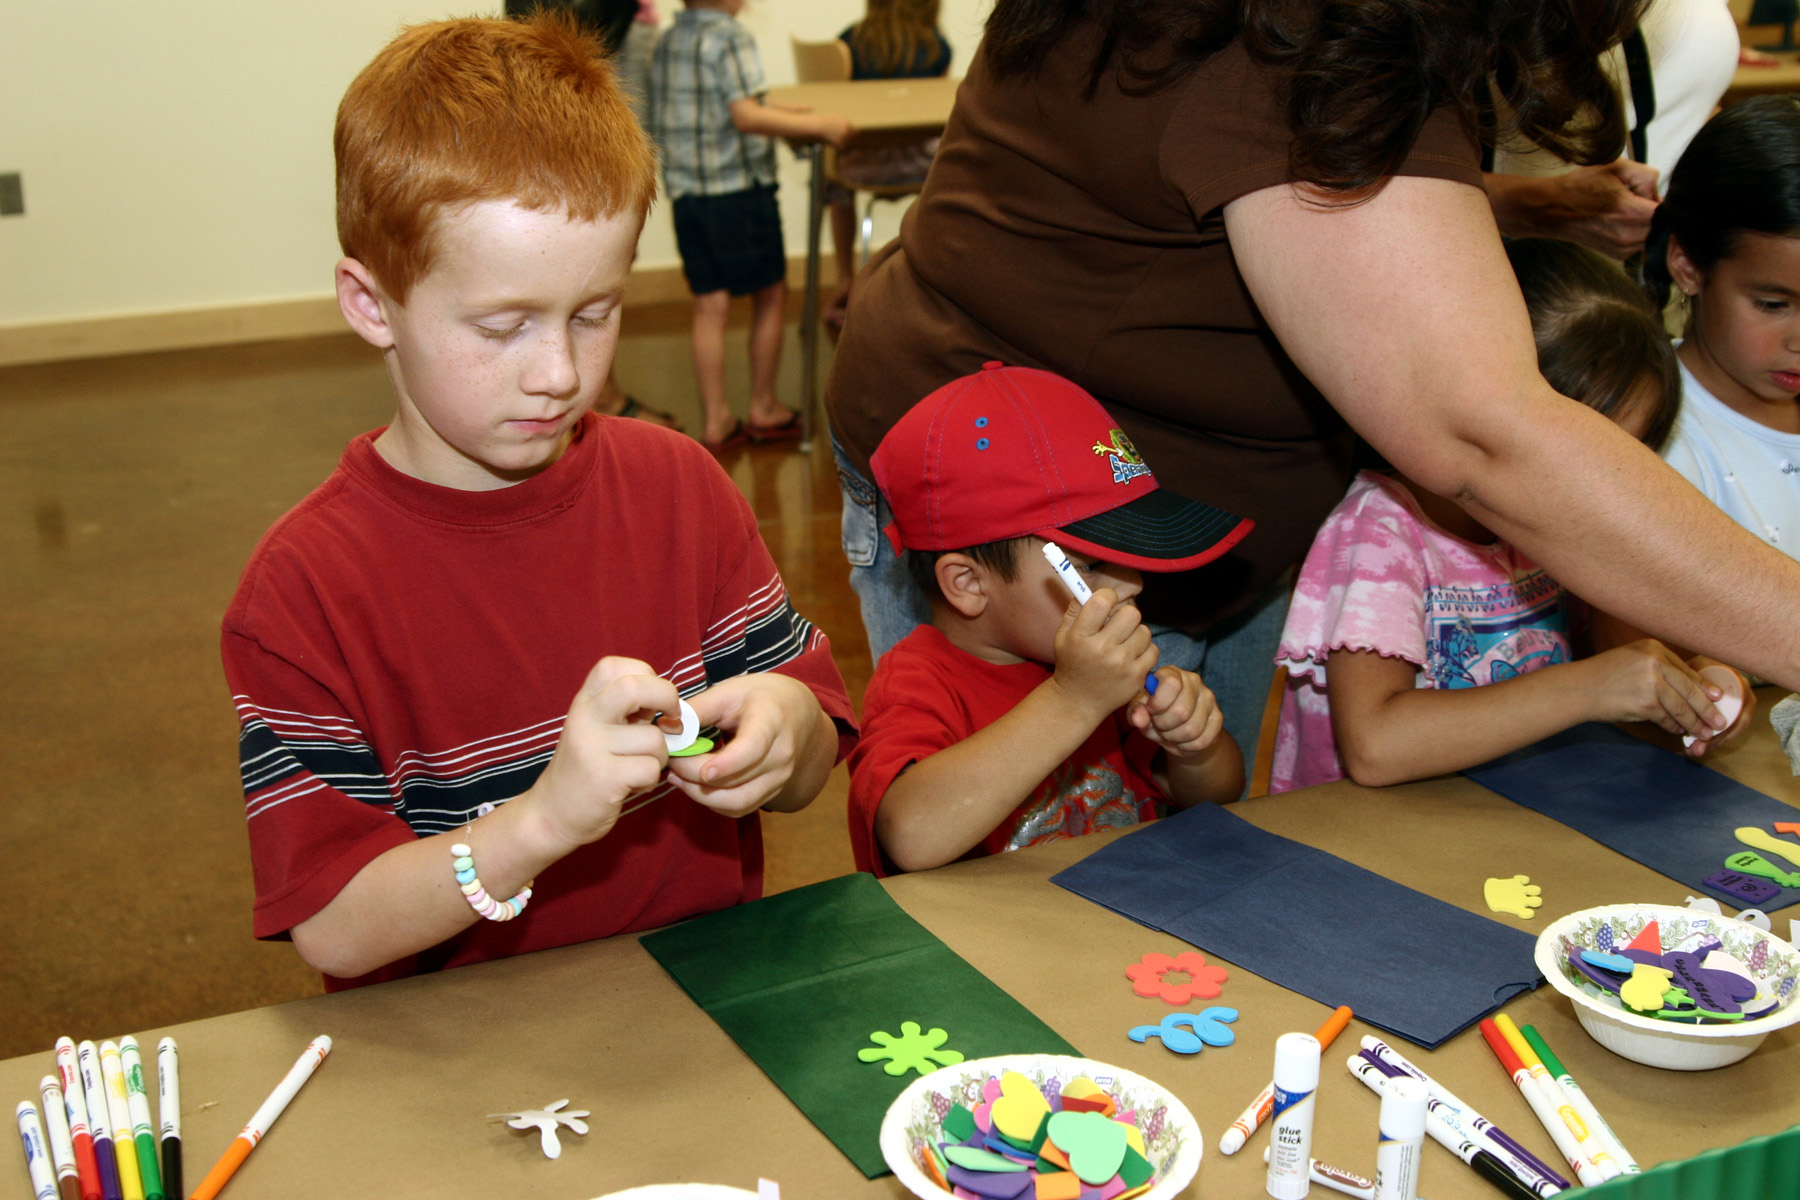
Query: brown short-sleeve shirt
(1086, 236)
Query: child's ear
(1683, 270)
(363, 303)
(963, 582)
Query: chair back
(821, 62)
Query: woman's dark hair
(1598, 339)
(1740, 174)
(1363, 75)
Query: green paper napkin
(799, 980)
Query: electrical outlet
(12, 194)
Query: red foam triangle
(1649, 938)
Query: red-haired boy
(464, 636)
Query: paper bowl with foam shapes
(915, 1119)
(1653, 1041)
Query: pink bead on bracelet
(494, 910)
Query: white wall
(179, 155)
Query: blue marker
(1078, 588)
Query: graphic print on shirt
(1075, 799)
(1476, 636)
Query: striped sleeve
(319, 808)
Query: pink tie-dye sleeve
(1362, 586)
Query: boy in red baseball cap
(1019, 715)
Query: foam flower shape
(546, 1120)
(912, 1050)
(1148, 977)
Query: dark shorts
(731, 242)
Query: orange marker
(252, 1133)
(1252, 1118)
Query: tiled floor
(133, 491)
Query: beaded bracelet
(494, 910)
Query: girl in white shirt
(1728, 236)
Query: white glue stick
(1291, 1123)
(1402, 1139)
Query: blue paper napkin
(1659, 808)
(1311, 922)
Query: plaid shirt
(704, 63)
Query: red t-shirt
(927, 694)
(402, 653)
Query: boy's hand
(1645, 681)
(1182, 717)
(609, 749)
(835, 129)
(1103, 653)
(770, 716)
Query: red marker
(87, 1169)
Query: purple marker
(1078, 588)
(1521, 1162)
(87, 1055)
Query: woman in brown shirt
(1247, 232)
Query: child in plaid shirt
(709, 119)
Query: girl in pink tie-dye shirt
(1447, 647)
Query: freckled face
(1031, 604)
(505, 343)
(1743, 342)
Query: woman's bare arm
(1403, 311)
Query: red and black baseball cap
(1014, 452)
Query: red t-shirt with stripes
(403, 653)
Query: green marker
(1582, 1105)
(138, 1099)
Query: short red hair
(457, 112)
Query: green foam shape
(1136, 1169)
(700, 746)
(972, 1159)
(959, 1124)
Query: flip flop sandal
(737, 437)
(781, 431)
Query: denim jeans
(892, 605)
(1236, 657)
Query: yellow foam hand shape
(1644, 990)
(1518, 896)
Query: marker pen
(56, 1134)
(137, 1099)
(1078, 588)
(94, 1089)
(1446, 1135)
(75, 1100)
(1290, 1133)
(1402, 1139)
(118, 1116)
(168, 1110)
(37, 1158)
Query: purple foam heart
(1008, 1185)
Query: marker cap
(1403, 1104)
(1296, 1062)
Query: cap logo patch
(1127, 464)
